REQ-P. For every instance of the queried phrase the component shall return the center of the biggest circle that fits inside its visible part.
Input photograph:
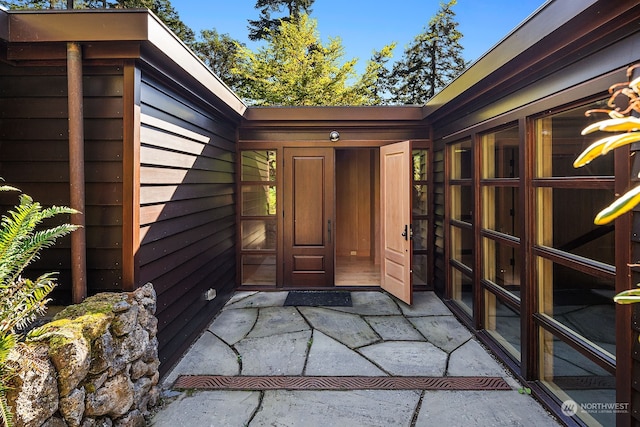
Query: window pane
(503, 324)
(579, 301)
(259, 234)
(258, 165)
(571, 376)
(565, 222)
(420, 200)
(420, 165)
(461, 203)
(501, 265)
(420, 229)
(462, 289)
(559, 143)
(461, 160)
(258, 269)
(420, 270)
(258, 200)
(500, 209)
(462, 245)
(500, 154)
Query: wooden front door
(309, 224)
(395, 201)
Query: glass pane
(500, 210)
(501, 265)
(574, 378)
(420, 270)
(559, 143)
(500, 154)
(259, 270)
(565, 222)
(462, 245)
(259, 234)
(420, 165)
(258, 200)
(462, 288)
(420, 229)
(420, 200)
(503, 324)
(461, 203)
(579, 301)
(258, 165)
(461, 160)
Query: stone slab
(482, 408)
(349, 329)
(328, 357)
(445, 332)
(371, 303)
(233, 325)
(283, 354)
(276, 321)
(425, 304)
(259, 300)
(209, 408)
(209, 355)
(407, 358)
(471, 359)
(394, 328)
(373, 408)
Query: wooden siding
(187, 211)
(34, 157)
(438, 219)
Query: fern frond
(5, 410)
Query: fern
(21, 299)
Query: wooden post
(76, 171)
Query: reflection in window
(501, 265)
(503, 323)
(258, 165)
(258, 270)
(462, 290)
(500, 154)
(462, 245)
(258, 200)
(499, 209)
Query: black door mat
(318, 298)
(221, 382)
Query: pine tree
(432, 60)
(261, 28)
(220, 53)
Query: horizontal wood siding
(438, 218)
(34, 157)
(187, 212)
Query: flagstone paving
(379, 336)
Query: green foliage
(220, 53)
(296, 69)
(21, 299)
(432, 60)
(265, 26)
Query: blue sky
(367, 25)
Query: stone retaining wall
(95, 364)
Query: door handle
(404, 233)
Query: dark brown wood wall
(34, 157)
(187, 212)
(438, 218)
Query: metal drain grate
(221, 382)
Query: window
(420, 217)
(258, 230)
(461, 224)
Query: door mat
(318, 298)
(223, 382)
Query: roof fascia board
(546, 19)
(119, 25)
(334, 113)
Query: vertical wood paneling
(34, 157)
(187, 211)
(438, 218)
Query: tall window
(258, 231)
(574, 263)
(460, 224)
(420, 217)
(500, 235)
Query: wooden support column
(76, 171)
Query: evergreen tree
(295, 68)
(220, 53)
(432, 60)
(261, 28)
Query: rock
(94, 382)
(132, 419)
(102, 353)
(151, 352)
(146, 297)
(33, 392)
(125, 321)
(55, 422)
(133, 345)
(71, 355)
(140, 390)
(72, 407)
(113, 399)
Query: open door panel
(395, 201)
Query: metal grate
(221, 382)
